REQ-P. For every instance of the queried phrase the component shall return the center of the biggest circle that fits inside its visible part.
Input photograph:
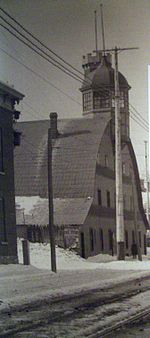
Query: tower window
(100, 102)
(87, 101)
(123, 97)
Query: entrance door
(82, 244)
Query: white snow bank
(68, 260)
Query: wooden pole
(118, 162)
(26, 252)
(50, 199)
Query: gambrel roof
(74, 157)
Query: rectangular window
(133, 236)
(106, 161)
(110, 237)
(87, 101)
(100, 102)
(131, 203)
(1, 150)
(126, 239)
(123, 168)
(91, 239)
(3, 234)
(101, 239)
(122, 99)
(108, 199)
(99, 195)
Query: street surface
(94, 314)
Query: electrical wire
(143, 119)
(139, 121)
(58, 65)
(40, 54)
(39, 41)
(85, 80)
(39, 76)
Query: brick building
(8, 138)
(84, 168)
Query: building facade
(83, 167)
(9, 137)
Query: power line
(138, 112)
(58, 63)
(39, 41)
(40, 76)
(69, 73)
(139, 119)
(142, 123)
(139, 124)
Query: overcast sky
(67, 27)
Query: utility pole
(147, 180)
(118, 159)
(118, 163)
(118, 155)
(50, 201)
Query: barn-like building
(83, 167)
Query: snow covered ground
(68, 260)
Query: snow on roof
(34, 210)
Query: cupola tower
(98, 90)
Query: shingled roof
(70, 211)
(74, 157)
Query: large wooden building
(84, 168)
(9, 137)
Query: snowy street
(83, 297)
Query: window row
(92, 236)
(96, 100)
(112, 202)
(93, 242)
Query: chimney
(53, 124)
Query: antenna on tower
(102, 23)
(95, 17)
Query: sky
(67, 28)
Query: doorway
(82, 244)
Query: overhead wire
(75, 77)
(86, 80)
(143, 119)
(39, 41)
(39, 76)
(58, 65)
(139, 119)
